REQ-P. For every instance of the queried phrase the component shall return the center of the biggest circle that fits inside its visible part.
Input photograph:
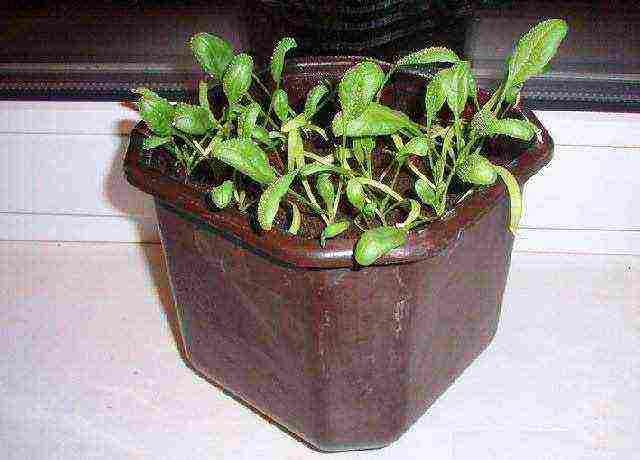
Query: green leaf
(358, 154)
(535, 49)
(519, 129)
(296, 122)
(234, 111)
(247, 120)
(317, 129)
(277, 58)
(515, 197)
(382, 187)
(237, 78)
(377, 120)
(270, 200)
(447, 149)
(203, 94)
(369, 209)
(296, 219)
(342, 154)
(247, 158)
(261, 135)
(472, 84)
(358, 87)
(441, 199)
(414, 213)
(313, 99)
(433, 99)
(477, 170)
(277, 135)
(362, 150)
(355, 193)
(295, 149)
(326, 189)
(222, 194)
(192, 119)
(454, 83)
(465, 81)
(156, 112)
(333, 230)
(418, 145)
(425, 192)
(512, 94)
(434, 54)
(154, 141)
(438, 172)
(397, 141)
(483, 123)
(365, 144)
(280, 103)
(239, 197)
(212, 53)
(317, 167)
(376, 242)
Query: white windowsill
(91, 369)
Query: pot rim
(425, 243)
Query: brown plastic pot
(344, 358)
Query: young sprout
(265, 147)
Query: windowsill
(91, 365)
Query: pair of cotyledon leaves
(361, 115)
(161, 116)
(217, 58)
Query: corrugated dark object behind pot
(375, 28)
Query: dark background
(79, 50)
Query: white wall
(584, 200)
(62, 179)
(62, 174)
